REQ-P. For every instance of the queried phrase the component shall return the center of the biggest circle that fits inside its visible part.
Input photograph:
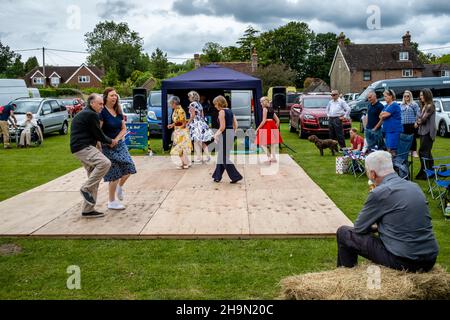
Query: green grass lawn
(169, 269)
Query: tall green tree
(231, 53)
(31, 63)
(247, 42)
(425, 58)
(159, 65)
(16, 69)
(7, 58)
(212, 52)
(321, 54)
(115, 46)
(276, 75)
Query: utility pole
(43, 66)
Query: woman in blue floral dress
(198, 128)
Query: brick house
(436, 70)
(356, 66)
(81, 76)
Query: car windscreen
(155, 99)
(67, 102)
(22, 107)
(446, 106)
(126, 107)
(312, 103)
(292, 98)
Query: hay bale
(352, 284)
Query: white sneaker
(115, 205)
(119, 192)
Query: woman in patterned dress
(199, 129)
(182, 146)
(122, 166)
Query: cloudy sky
(182, 27)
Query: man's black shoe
(93, 214)
(88, 197)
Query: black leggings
(410, 130)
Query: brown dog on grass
(324, 144)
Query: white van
(241, 105)
(11, 89)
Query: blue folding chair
(357, 165)
(402, 165)
(442, 170)
(442, 173)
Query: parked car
(351, 97)
(11, 89)
(242, 104)
(442, 116)
(73, 106)
(291, 99)
(49, 113)
(440, 87)
(310, 116)
(130, 115)
(154, 112)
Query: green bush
(58, 92)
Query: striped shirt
(410, 113)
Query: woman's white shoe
(115, 205)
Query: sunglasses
(334, 95)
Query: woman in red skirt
(268, 134)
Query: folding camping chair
(357, 165)
(402, 165)
(431, 172)
(442, 173)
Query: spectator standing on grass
(426, 125)
(374, 136)
(410, 113)
(6, 112)
(224, 139)
(337, 111)
(122, 166)
(85, 133)
(397, 210)
(392, 122)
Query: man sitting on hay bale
(397, 210)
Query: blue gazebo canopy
(207, 78)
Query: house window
(55, 81)
(404, 56)
(84, 79)
(367, 75)
(407, 73)
(38, 80)
(445, 73)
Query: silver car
(49, 114)
(129, 112)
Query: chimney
(254, 61)
(197, 60)
(407, 39)
(341, 39)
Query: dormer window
(404, 56)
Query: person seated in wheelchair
(30, 132)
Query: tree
(276, 75)
(212, 52)
(115, 46)
(289, 45)
(425, 58)
(7, 58)
(159, 65)
(321, 54)
(247, 42)
(443, 59)
(111, 78)
(31, 63)
(17, 69)
(231, 53)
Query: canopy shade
(210, 77)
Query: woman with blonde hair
(181, 138)
(410, 112)
(198, 127)
(268, 133)
(224, 139)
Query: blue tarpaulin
(206, 78)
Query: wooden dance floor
(278, 201)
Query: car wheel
(443, 129)
(291, 128)
(301, 133)
(65, 129)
